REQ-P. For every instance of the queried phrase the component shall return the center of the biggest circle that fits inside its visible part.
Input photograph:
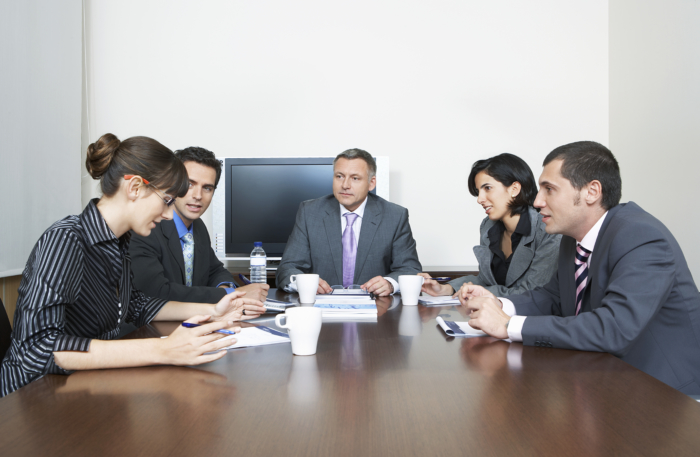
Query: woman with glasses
(516, 254)
(76, 288)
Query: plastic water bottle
(258, 264)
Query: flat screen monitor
(263, 196)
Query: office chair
(5, 331)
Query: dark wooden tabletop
(395, 387)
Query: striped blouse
(73, 290)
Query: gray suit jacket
(159, 266)
(532, 265)
(386, 246)
(641, 303)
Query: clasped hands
(485, 310)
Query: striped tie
(581, 274)
(188, 254)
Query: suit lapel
(483, 257)
(370, 223)
(523, 255)
(170, 234)
(332, 223)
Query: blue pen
(225, 332)
(245, 280)
(442, 278)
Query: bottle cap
(257, 244)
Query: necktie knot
(582, 254)
(187, 238)
(350, 218)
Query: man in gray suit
(352, 236)
(622, 285)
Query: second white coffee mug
(410, 289)
(307, 285)
(303, 325)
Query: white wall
(655, 111)
(40, 77)
(433, 85)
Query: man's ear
(594, 194)
(372, 183)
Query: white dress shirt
(515, 327)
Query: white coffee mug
(307, 285)
(303, 325)
(410, 289)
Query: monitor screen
(263, 196)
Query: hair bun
(100, 155)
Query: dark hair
(109, 159)
(586, 161)
(355, 153)
(507, 169)
(202, 156)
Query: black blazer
(159, 266)
(640, 304)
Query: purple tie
(349, 250)
(581, 275)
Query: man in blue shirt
(176, 261)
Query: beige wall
(655, 111)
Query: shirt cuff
(71, 343)
(515, 326)
(393, 283)
(291, 287)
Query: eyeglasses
(167, 199)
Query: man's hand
(231, 308)
(434, 288)
(486, 314)
(378, 286)
(468, 291)
(256, 291)
(323, 287)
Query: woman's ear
(515, 189)
(133, 188)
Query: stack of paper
(458, 329)
(438, 301)
(347, 307)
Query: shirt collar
(181, 229)
(360, 211)
(588, 241)
(96, 228)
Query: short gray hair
(355, 153)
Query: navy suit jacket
(386, 246)
(159, 266)
(641, 303)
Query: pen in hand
(442, 278)
(225, 332)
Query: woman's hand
(234, 308)
(189, 346)
(434, 288)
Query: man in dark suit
(352, 236)
(622, 285)
(159, 260)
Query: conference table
(395, 387)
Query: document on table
(257, 336)
(344, 300)
(358, 292)
(458, 329)
(446, 300)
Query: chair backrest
(5, 331)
